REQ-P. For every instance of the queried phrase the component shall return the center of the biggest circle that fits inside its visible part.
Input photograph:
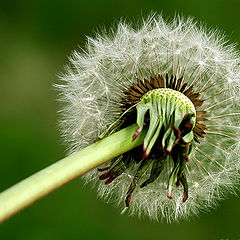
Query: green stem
(47, 180)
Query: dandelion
(178, 81)
(157, 106)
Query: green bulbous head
(167, 109)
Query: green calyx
(168, 118)
(171, 119)
(167, 109)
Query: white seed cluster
(108, 66)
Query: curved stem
(47, 180)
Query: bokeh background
(35, 39)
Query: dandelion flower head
(180, 81)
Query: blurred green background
(35, 39)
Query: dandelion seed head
(92, 86)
